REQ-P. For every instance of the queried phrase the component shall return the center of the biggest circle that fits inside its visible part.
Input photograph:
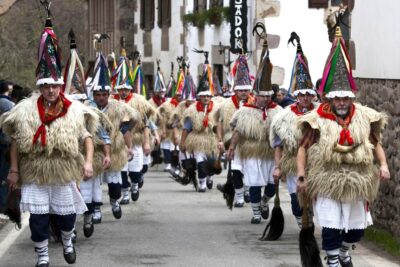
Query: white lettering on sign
(238, 11)
(238, 32)
(238, 23)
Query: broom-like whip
(309, 250)
(276, 224)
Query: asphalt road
(172, 225)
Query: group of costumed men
(324, 151)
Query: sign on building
(238, 18)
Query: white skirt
(167, 145)
(236, 163)
(112, 177)
(136, 164)
(291, 182)
(257, 172)
(338, 215)
(52, 199)
(146, 160)
(91, 189)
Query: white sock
(42, 250)
(344, 251)
(66, 238)
(239, 195)
(333, 258)
(202, 182)
(256, 209)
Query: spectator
(283, 98)
(5, 101)
(19, 93)
(5, 105)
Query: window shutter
(159, 13)
(318, 3)
(142, 15)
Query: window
(318, 3)
(164, 13)
(147, 15)
(199, 6)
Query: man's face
(178, 97)
(50, 92)
(205, 99)
(242, 94)
(279, 96)
(101, 98)
(123, 93)
(304, 100)
(341, 106)
(263, 100)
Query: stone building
(373, 39)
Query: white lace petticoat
(55, 199)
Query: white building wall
(175, 31)
(376, 33)
(202, 39)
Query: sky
(308, 24)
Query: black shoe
(255, 220)
(238, 205)
(345, 264)
(209, 184)
(124, 201)
(141, 183)
(117, 212)
(135, 195)
(246, 197)
(70, 257)
(73, 238)
(96, 220)
(202, 190)
(265, 211)
(42, 264)
(88, 229)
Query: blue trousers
(333, 238)
(255, 192)
(167, 156)
(39, 225)
(237, 179)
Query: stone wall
(384, 95)
(20, 29)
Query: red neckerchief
(236, 101)
(200, 108)
(295, 109)
(264, 110)
(174, 102)
(326, 112)
(126, 100)
(158, 100)
(47, 119)
(187, 104)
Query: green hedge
(212, 16)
